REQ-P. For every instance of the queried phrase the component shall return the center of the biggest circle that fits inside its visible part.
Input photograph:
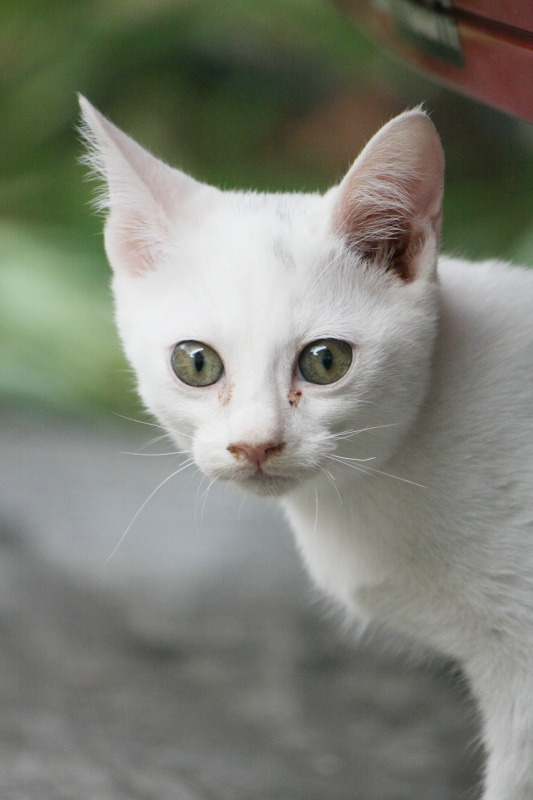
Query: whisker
(157, 439)
(321, 274)
(316, 512)
(349, 433)
(328, 473)
(332, 480)
(240, 506)
(182, 466)
(389, 475)
(198, 499)
(369, 470)
(307, 289)
(336, 457)
(138, 421)
(204, 499)
(157, 455)
(152, 424)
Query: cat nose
(256, 454)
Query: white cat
(316, 348)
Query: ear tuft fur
(129, 172)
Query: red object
(515, 13)
(481, 47)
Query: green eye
(196, 363)
(325, 361)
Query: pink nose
(256, 454)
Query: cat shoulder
(486, 324)
(490, 273)
(490, 286)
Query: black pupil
(199, 360)
(327, 358)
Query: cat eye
(196, 363)
(325, 361)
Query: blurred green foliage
(269, 94)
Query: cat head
(266, 330)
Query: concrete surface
(197, 664)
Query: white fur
(432, 536)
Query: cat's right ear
(144, 198)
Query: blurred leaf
(58, 341)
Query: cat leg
(508, 733)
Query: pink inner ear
(134, 243)
(389, 209)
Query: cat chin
(267, 485)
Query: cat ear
(142, 196)
(389, 205)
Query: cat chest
(380, 570)
(349, 554)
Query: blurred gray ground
(197, 664)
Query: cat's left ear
(388, 208)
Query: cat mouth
(263, 483)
